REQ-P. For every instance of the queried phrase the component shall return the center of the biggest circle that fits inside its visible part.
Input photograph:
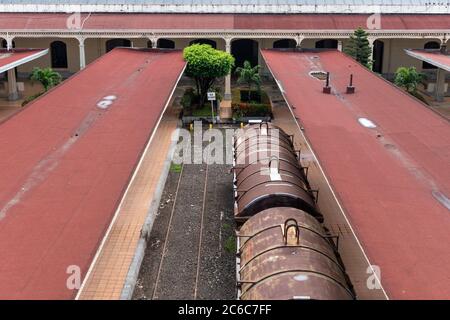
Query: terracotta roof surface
(434, 57)
(393, 180)
(66, 161)
(111, 21)
(13, 58)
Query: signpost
(212, 98)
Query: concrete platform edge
(133, 272)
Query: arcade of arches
(388, 54)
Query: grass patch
(230, 244)
(203, 112)
(175, 167)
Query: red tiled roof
(65, 164)
(388, 179)
(435, 58)
(13, 58)
(51, 21)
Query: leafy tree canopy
(359, 47)
(205, 64)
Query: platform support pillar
(82, 53)
(225, 111)
(227, 95)
(440, 85)
(13, 94)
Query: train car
(267, 173)
(284, 252)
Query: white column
(371, 46)
(82, 53)
(339, 45)
(227, 95)
(9, 43)
(154, 42)
(299, 41)
(13, 94)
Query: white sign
(211, 96)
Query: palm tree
(46, 76)
(249, 76)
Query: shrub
(47, 77)
(408, 78)
(251, 109)
(31, 98)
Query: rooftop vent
(350, 87)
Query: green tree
(205, 64)
(46, 76)
(249, 75)
(359, 47)
(408, 78)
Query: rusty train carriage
(265, 179)
(283, 250)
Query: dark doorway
(378, 54)
(327, 44)
(58, 51)
(113, 43)
(284, 44)
(212, 43)
(166, 44)
(245, 50)
(430, 45)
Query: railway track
(190, 253)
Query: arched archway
(212, 43)
(245, 50)
(285, 44)
(113, 43)
(378, 54)
(327, 44)
(166, 44)
(58, 52)
(430, 46)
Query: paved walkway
(109, 271)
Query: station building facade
(78, 32)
